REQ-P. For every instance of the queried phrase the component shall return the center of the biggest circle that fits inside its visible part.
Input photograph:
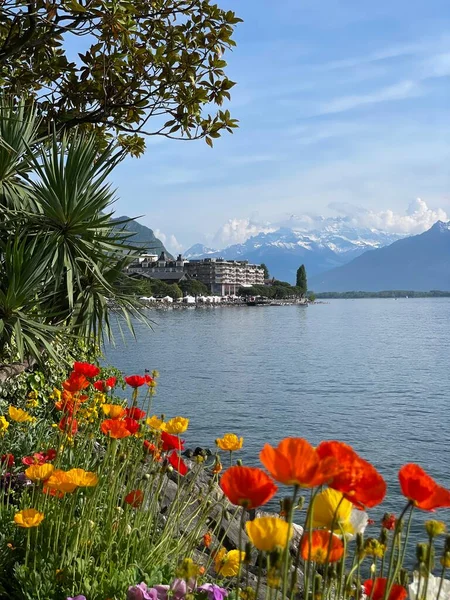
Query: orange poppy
(247, 486)
(324, 547)
(296, 462)
(421, 489)
(375, 589)
(115, 429)
(75, 383)
(358, 480)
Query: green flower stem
(286, 560)
(396, 538)
(442, 580)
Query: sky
(344, 109)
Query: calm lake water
(373, 373)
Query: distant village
(209, 280)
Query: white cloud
(169, 241)
(398, 91)
(237, 231)
(418, 217)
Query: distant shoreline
(388, 294)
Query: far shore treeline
(383, 294)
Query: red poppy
(421, 489)
(178, 463)
(115, 428)
(388, 521)
(131, 425)
(324, 546)
(135, 498)
(105, 386)
(247, 486)
(171, 442)
(7, 459)
(358, 480)
(148, 380)
(295, 462)
(152, 449)
(86, 369)
(75, 383)
(135, 413)
(135, 381)
(39, 458)
(69, 425)
(376, 588)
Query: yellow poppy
(82, 478)
(177, 425)
(59, 481)
(155, 423)
(4, 424)
(329, 506)
(227, 563)
(230, 442)
(29, 517)
(39, 472)
(113, 411)
(19, 415)
(269, 533)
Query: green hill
(144, 237)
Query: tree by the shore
(142, 68)
(301, 281)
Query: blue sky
(344, 108)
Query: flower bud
(388, 521)
(445, 560)
(434, 528)
(239, 462)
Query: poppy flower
(60, 482)
(296, 462)
(135, 413)
(86, 369)
(103, 385)
(421, 489)
(131, 425)
(178, 463)
(75, 383)
(39, 458)
(148, 380)
(247, 486)
(171, 442)
(135, 381)
(39, 472)
(7, 459)
(30, 517)
(358, 480)
(19, 415)
(115, 428)
(114, 411)
(177, 425)
(81, 478)
(324, 547)
(150, 448)
(269, 533)
(376, 588)
(388, 521)
(155, 423)
(135, 498)
(226, 563)
(69, 425)
(230, 442)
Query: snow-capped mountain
(285, 249)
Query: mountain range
(285, 249)
(420, 263)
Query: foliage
(266, 270)
(158, 288)
(385, 294)
(278, 290)
(301, 282)
(193, 287)
(61, 259)
(142, 67)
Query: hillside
(144, 237)
(420, 262)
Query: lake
(372, 373)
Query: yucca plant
(61, 257)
